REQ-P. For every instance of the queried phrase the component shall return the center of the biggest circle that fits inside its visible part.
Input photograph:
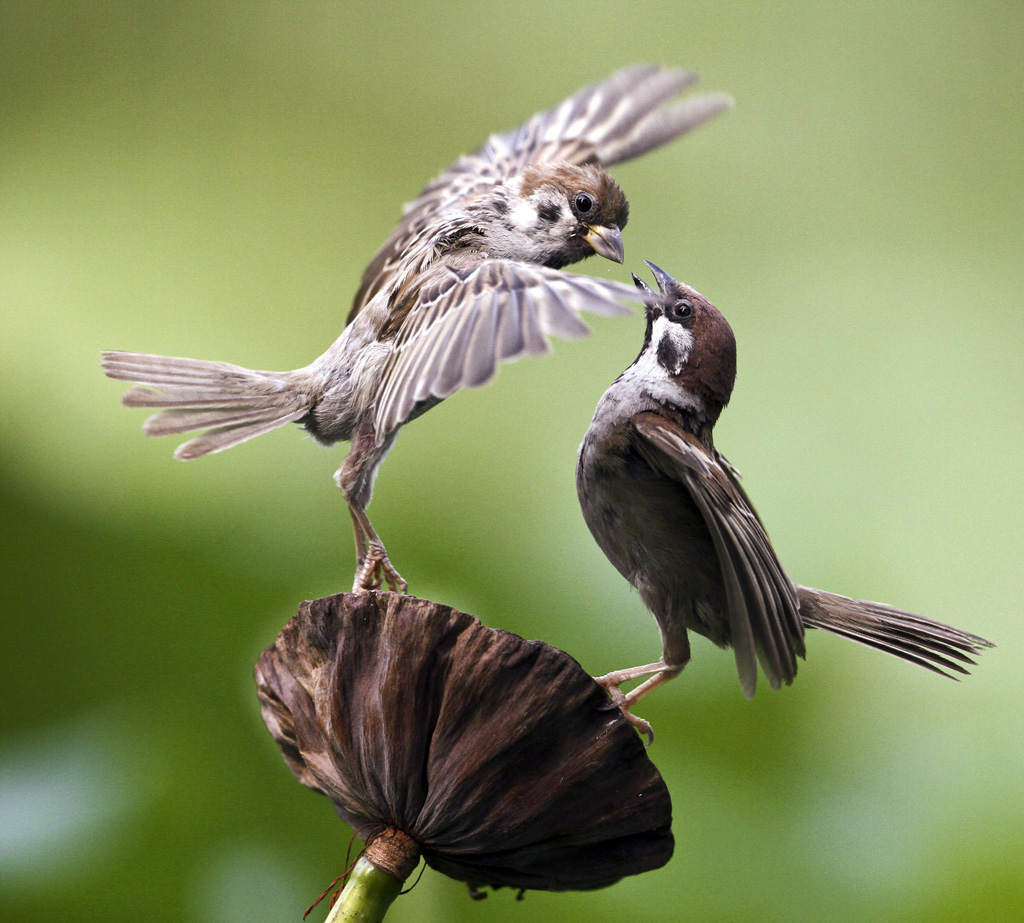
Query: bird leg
(355, 478)
(360, 537)
(611, 682)
(372, 564)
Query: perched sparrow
(670, 514)
(468, 279)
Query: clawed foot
(372, 564)
(658, 673)
(620, 699)
(374, 570)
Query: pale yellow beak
(606, 241)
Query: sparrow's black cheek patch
(549, 212)
(669, 356)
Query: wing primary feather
(638, 105)
(536, 343)
(763, 607)
(509, 340)
(664, 125)
(742, 636)
(558, 317)
(449, 359)
(478, 360)
(786, 624)
(753, 618)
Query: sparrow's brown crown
(595, 198)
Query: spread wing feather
(763, 608)
(471, 317)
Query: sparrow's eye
(680, 312)
(584, 202)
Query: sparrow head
(570, 212)
(688, 342)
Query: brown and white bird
(468, 279)
(669, 512)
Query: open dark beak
(643, 286)
(663, 279)
(654, 301)
(606, 241)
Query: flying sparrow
(468, 279)
(669, 512)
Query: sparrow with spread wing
(669, 512)
(469, 278)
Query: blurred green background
(209, 180)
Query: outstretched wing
(608, 122)
(763, 608)
(472, 315)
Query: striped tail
(231, 403)
(929, 644)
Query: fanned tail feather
(233, 404)
(932, 645)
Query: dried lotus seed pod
(498, 759)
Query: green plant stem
(367, 895)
